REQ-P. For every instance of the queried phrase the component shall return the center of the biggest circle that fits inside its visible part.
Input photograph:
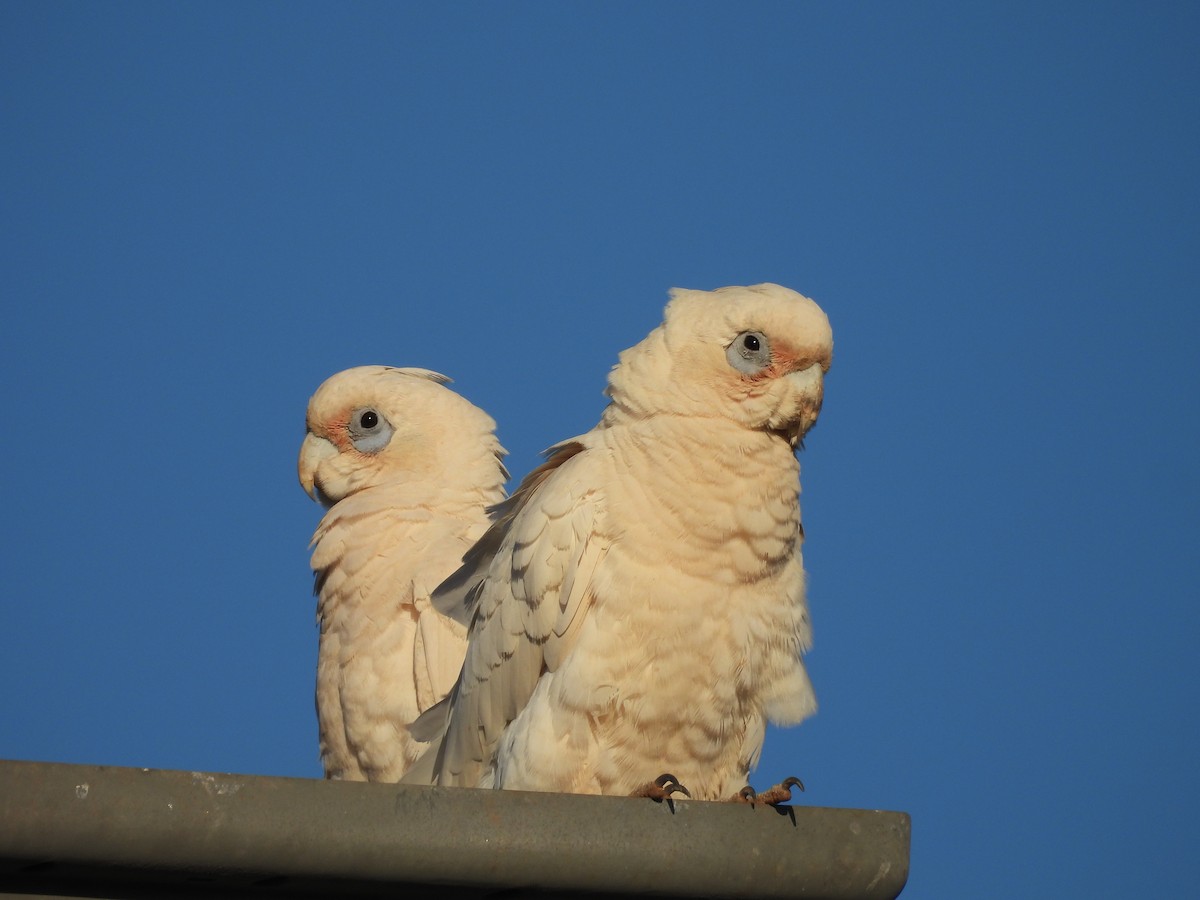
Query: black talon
(661, 788)
(666, 779)
(781, 793)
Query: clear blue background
(208, 208)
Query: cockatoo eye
(369, 430)
(749, 353)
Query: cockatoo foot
(661, 788)
(781, 793)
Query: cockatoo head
(374, 425)
(757, 355)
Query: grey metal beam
(116, 832)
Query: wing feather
(437, 657)
(457, 596)
(526, 585)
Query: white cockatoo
(638, 607)
(407, 469)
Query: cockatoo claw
(661, 788)
(780, 793)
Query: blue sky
(208, 208)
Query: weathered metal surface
(116, 832)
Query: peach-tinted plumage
(638, 607)
(407, 469)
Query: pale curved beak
(313, 452)
(810, 388)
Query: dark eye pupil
(750, 342)
(368, 419)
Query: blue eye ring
(369, 429)
(750, 352)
